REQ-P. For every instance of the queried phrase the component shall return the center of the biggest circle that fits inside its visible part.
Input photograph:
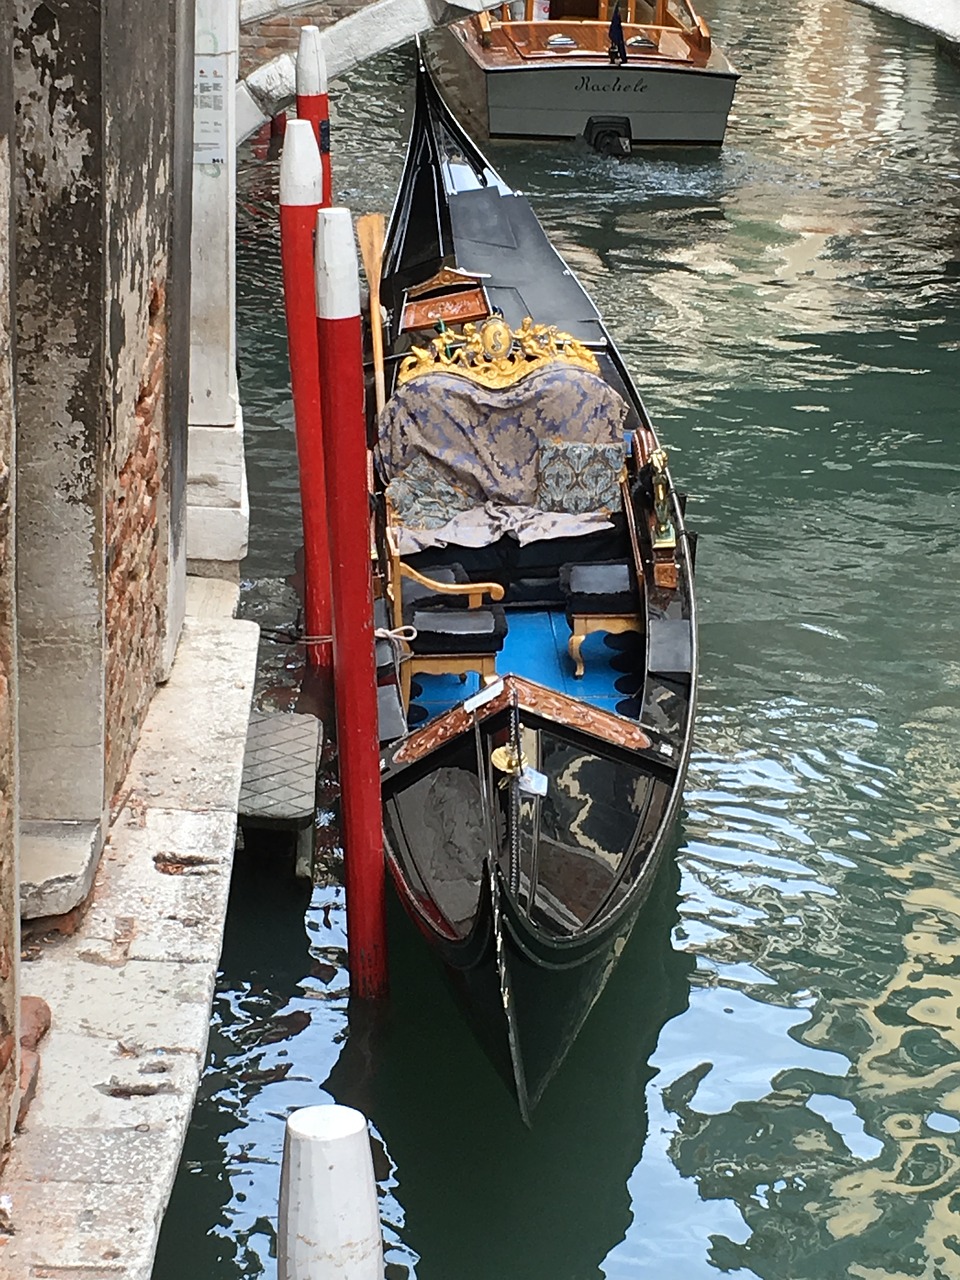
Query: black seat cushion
(459, 630)
(603, 587)
(528, 573)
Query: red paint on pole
(341, 379)
(313, 103)
(300, 187)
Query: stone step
(280, 762)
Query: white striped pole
(355, 677)
(313, 102)
(329, 1220)
(301, 183)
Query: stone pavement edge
(90, 1174)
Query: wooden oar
(371, 229)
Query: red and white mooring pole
(313, 103)
(355, 680)
(301, 186)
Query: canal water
(770, 1086)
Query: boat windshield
(666, 13)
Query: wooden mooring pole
(355, 682)
(312, 101)
(301, 186)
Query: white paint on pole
(311, 64)
(329, 1223)
(338, 280)
(301, 171)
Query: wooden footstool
(598, 597)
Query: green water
(770, 1086)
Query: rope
(396, 638)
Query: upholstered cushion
(425, 496)
(506, 561)
(598, 588)
(578, 478)
(459, 630)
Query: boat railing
(677, 17)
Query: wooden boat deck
(536, 648)
(507, 43)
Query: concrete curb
(130, 992)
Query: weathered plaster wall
(9, 896)
(61, 414)
(100, 188)
(138, 181)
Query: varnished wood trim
(536, 699)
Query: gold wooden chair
(448, 641)
(598, 597)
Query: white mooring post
(329, 1224)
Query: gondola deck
(536, 648)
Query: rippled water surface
(771, 1084)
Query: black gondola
(524, 824)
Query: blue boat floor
(536, 648)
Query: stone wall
(9, 906)
(60, 411)
(97, 198)
(139, 182)
(263, 38)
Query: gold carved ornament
(494, 355)
(664, 534)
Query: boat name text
(603, 84)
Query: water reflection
(473, 1189)
(789, 310)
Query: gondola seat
(598, 597)
(442, 636)
(416, 593)
(499, 475)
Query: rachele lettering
(603, 84)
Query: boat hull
(654, 105)
(524, 826)
(525, 996)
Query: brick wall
(266, 38)
(135, 538)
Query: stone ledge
(58, 861)
(215, 465)
(219, 533)
(129, 992)
(942, 17)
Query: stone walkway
(88, 1181)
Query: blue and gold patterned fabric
(463, 461)
(579, 477)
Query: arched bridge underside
(374, 28)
